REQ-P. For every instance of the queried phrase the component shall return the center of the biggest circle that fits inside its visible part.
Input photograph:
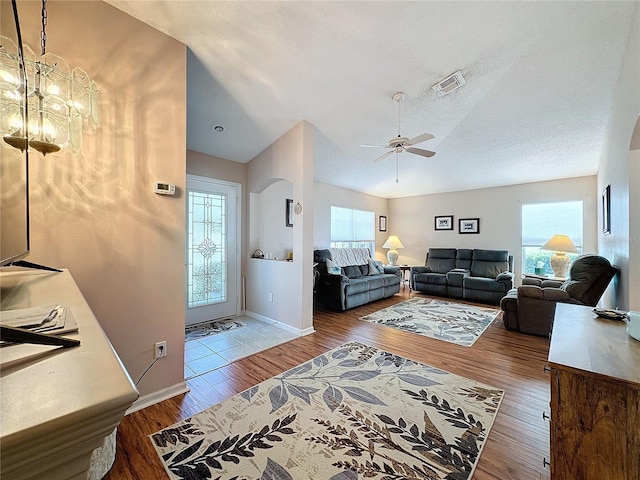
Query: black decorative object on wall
(444, 222)
(606, 210)
(288, 221)
(469, 225)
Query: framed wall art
(289, 213)
(469, 225)
(444, 222)
(382, 223)
(606, 210)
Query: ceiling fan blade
(383, 156)
(379, 146)
(420, 138)
(420, 151)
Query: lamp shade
(560, 243)
(393, 242)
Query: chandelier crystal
(43, 100)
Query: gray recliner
(531, 307)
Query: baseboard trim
(157, 397)
(283, 326)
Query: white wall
(275, 238)
(326, 196)
(614, 170)
(290, 158)
(499, 210)
(634, 230)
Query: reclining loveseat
(476, 275)
(349, 277)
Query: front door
(213, 266)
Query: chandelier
(44, 105)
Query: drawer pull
(545, 464)
(545, 416)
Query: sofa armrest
(419, 270)
(548, 294)
(540, 282)
(392, 270)
(330, 280)
(508, 276)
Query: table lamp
(393, 243)
(561, 244)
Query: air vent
(449, 84)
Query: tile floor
(207, 354)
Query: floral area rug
(210, 328)
(354, 412)
(452, 322)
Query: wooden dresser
(595, 397)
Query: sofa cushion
(354, 271)
(480, 283)
(391, 279)
(332, 268)
(489, 263)
(431, 278)
(463, 258)
(488, 269)
(375, 267)
(441, 260)
(364, 284)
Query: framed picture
(382, 223)
(606, 210)
(289, 213)
(444, 222)
(469, 225)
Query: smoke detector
(449, 84)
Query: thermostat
(164, 188)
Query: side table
(404, 269)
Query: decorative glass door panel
(211, 256)
(206, 249)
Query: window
(353, 228)
(540, 222)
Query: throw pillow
(332, 268)
(375, 267)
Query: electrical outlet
(270, 297)
(161, 349)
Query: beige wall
(499, 210)
(614, 170)
(288, 158)
(96, 214)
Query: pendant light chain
(43, 33)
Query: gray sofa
(476, 275)
(355, 285)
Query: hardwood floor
(517, 442)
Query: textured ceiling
(540, 80)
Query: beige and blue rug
(210, 328)
(354, 412)
(457, 323)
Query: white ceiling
(540, 79)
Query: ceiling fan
(400, 143)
